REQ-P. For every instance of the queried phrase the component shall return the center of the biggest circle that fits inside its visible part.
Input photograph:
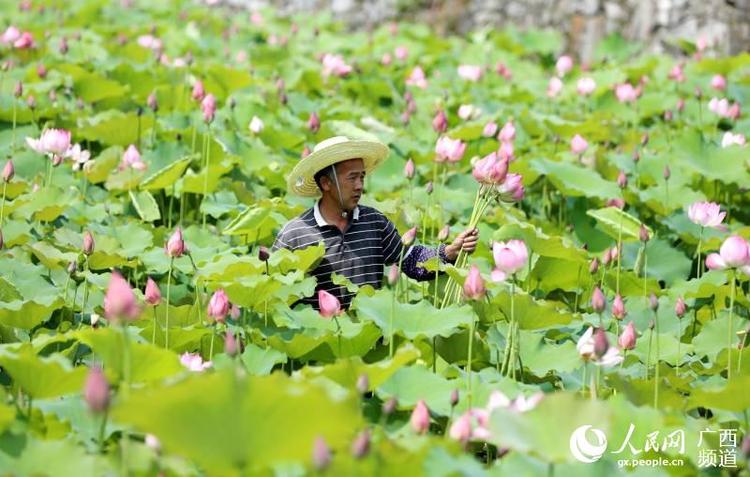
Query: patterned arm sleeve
(420, 253)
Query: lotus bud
(601, 343)
(361, 444)
(152, 102)
(643, 233)
(96, 391)
(667, 173)
(474, 285)
(18, 90)
(8, 171)
(668, 115)
(389, 406)
(644, 140)
(440, 122)
(409, 236)
(653, 302)
(598, 301)
(176, 246)
(152, 295)
(363, 384)
(321, 454)
(218, 305)
(680, 307)
(263, 253)
(454, 398)
(618, 307)
(628, 337)
(444, 233)
(329, 305)
(313, 122)
(119, 301)
(409, 169)
(461, 429)
(88, 243)
(31, 102)
(63, 48)
(152, 442)
(680, 105)
(650, 324)
(393, 275)
(622, 180)
(41, 71)
(72, 266)
(420, 418)
(235, 312)
(429, 188)
(698, 93)
(594, 266)
(636, 157)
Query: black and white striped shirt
(368, 244)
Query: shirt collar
(322, 222)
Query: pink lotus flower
(79, 156)
(409, 236)
(586, 86)
(420, 418)
(628, 337)
(506, 151)
(718, 82)
(175, 245)
(208, 107)
(447, 149)
(152, 295)
(507, 133)
(401, 52)
(626, 93)
(617, 202)
(10, 35)
(194, 362)
(25, 41)
(96, 390)
(677, 74)
(150, 42)
(461, 429)
(417, 78)
(409, 169)
(564, 65)
(490, 129)
(474, 285)
(706, 214)
(132, 158)
(218, 305)
(490, 170)
(578, 145)
(329, 305)
(510, 257)
(554, 86)
(734, 111)
(618, 307)
(734, 253)
(598, 300)
(256, 125)
(586, 349)
(470, 72)
(440, 122)
(335, 65)
(511, 189)
(54, 142)
(730, 139)
(8, 171)
(119, 301)
(88, 243)
(722, 108)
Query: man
(359, 240)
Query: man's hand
(466, 241)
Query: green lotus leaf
(42, 377)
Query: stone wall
(724, 23)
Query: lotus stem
(166, 315)
(656, 371)
(729, 330)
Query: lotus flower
(564, 65)
(96, 390)
(25, 41)
(470, 72)
(54, 142)
(417, 78)
(335, 65)
(256, 125)
(510, 257)
(132, 158)
(586, 349)
(152, 295)
(175, 245)
(718, 82)
(10, 35)
(511, 189)
(208, 107)
(329, 305)
(734, 253)
(420, 418)
(194, 362)
(490, 170)
(578, 145)
(79, 156)
(461, 429)
(730, 139)
(447, 149)
(628, 337)
(626, 93)
(586, 86)
(150, 42)
(119, 301)
(706, 214)
(218, 305)
(474, 285)
(554, 86)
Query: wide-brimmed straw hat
(335, 149)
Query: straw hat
(335, 149)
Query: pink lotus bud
(507, 133)
(653, 302)
(409, 236)
(454, 398)
(667, 115)
(363, 384)
(152, 102)
(511, 189)
(231, 348)
(218, 305)
(554, 86)
(643, 234)
(440, 122)
(8, 171)
(444, 233)
(152, 294)
(393, 275)
(578, 145)
(31, 102)
(63, 47)
(618, 307)
(667, 173)
(88, 243)
(132, 158)
(461, 429)
(594, 266)
(622, 180)
(504, 71)
(506, 152)
(601, 343)
(18, 90)
(361, 444)
(198, 91)
(389, 406)
(401, 52)
(680, 105)
(235, 311)
(263, 253)
(676, 73)
(490, 129)
(409, 169)
(175, 245)
(735, 251)
(96, 391)
(598, 300)
(564, 65)
(718, 82)
(618, 202)
(208, 107)
(734, 111)
(628, 337)
(626, 93)
(313, 122)
(41, 71)
(420, 418)
(680, 307)
(329, 305)
(447, 149)
(510, 256)
(119, 301)
(714, 262)
(321, 456)
(474, 285)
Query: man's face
(351, 176)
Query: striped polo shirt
(368, 243)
